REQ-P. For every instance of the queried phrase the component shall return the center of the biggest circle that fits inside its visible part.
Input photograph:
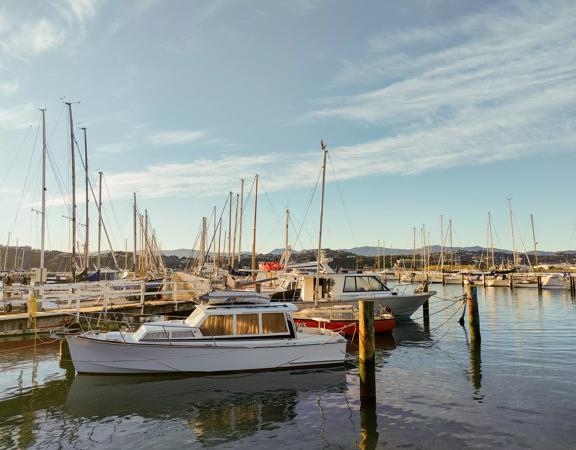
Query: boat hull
(402, 306)
(91, 355)
(348, 327)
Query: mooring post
(426, 308)
(483, 280)
(142, 292)
(367, 360)
(462, 279)
(511, 281)
(443, 279)
(539, 283)
(473, 316)
(572, 285)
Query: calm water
(432, 392)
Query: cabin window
(156, 335)
(218, 325)
(362, 284)
(247, 324)
(375, 285)
(350, 284)
(273, 323)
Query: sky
(428, 108)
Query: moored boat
(343, 319)
(227, 333)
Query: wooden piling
(462, 279)
(443, 280)
(473, 316)
(572, 285)
(367, 351)
(511, 281)
(426, 308)
(367, 360)
(539, 283)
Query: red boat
(271, 266)
(343, 319)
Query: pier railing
(98, 296)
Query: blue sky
(428, 108)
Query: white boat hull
(99, 356)
(402, 306)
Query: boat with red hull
(342, 318)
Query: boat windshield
(363, 284)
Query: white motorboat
(228, 333)
(351, 287)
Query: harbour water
(433, 391)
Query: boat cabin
(231, 320)
(344, 285)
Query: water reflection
(218, 409)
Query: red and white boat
(343, 319)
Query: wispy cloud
(177, 137)
(9, 87)
(18, 117)
(496, 85)
(23, 36)
(141, 136)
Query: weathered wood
(367, 351)
(426, 308)
(539, 283)
(473, 316)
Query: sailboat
(327, 288)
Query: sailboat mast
(534, 239)
(241, 216)
(87, 217)
(134, 234)
(100, 218)
(441, 242)
(230, 228)
(491, 239)
(286, 244)
(514, 256)
(73, 162)
(235, 230)
(378, 255)
(451, 245)
(414, 249)
(325, 153)
(6, 252)
(254, 274)
(43, 214)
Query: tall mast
(451, 245)
(146, 259)
(230, 228)
(514, 257)
(73, 162)
(441, 242)
(235, 230)
(241, 216)
(414, 249)
(378, 255)
(86, 181)
(202, 244)
(100, 216)
(254, 274)
(491, 240)
(43, 214)
(135, 235)
(125, 253)
(534, 239)
(6, 252)
(325, 153)
(286, 243)
(384, 256)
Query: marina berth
(227, 333)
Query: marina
(515, 391)
(287, 224)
